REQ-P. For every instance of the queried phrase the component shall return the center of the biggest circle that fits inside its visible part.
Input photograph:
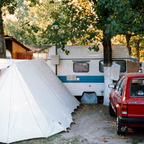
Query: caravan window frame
(82, 69)
(101, 66)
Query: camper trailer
(82, 71)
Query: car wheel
(111, 111)
(119, 125)
(135, 129)
(121, 129)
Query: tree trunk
(107, 53)
(128, 43)
(107, 69)
(137, 51)
(107, 57)
(2, 40)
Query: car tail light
(124, 110)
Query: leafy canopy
(119, 16)
(75, 22)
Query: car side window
(118, 83)
(121, 87)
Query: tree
(11, 5)
(132, 20)
(28, 22)
(117, 17)
(74, 22)
(89, 21)
(107, 16)
(2, 41)
(137, 44)
(106, 12)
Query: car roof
(134, 75)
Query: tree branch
(95, 2)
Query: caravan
(82, 70)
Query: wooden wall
(22, 55)
(19, 52)
(16, 48)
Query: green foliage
(95, 48)
(27, 23)
(11, 4)
(137, 44)
(75, 21)
(116, 17)
(119, 17)
(33, 2)
(79, 22)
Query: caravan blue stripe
(83, 79)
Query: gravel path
(93, 126)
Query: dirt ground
(93, 125)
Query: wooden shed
(17, 49)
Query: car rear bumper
(132, 121)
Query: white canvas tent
(5, 63)
(33, 102)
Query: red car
(127, 101)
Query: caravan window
(81, 67)
(122, 64)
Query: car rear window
(137, 87)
